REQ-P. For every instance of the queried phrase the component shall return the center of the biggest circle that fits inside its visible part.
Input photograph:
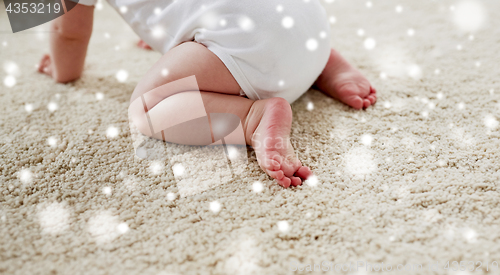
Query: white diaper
(273, 48)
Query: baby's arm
(68, 44)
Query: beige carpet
(412, 180)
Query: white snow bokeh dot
(232, 152)
(106, 190)
(257, 187)
(470, 235)
(312, 181)
(367, 139)
(171, 196)
(312, 44)
(156, 167)
(370, 43)
(246, 23)
(414, 71)
(53, 218)
(178, 170)
(310, 106)
(283, 226)
(10, 81)
(104, 227)
(287, 22)
(158, 32)
(122, 228)
(469, 15)
(215, 206)
(490, 121)
(28, 107)
(11, 68)
(359, 162)
(52, 141)
(112, 132)
(25, 176)
(121, 76)
(52, 106)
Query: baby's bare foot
(342, 81)
(268, 127)
(45, 65)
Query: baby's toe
(289, 167)
(295, 181)
(304, 173)
(278, 175)
(354, 101)
(372, 98)
(285, 182)
(366, 103)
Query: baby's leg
(266, 123)
(342, 81)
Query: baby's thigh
(184, 60)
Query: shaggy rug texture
(410, 181)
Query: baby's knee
(138, 117)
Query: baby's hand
(45, 66)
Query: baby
(250, 58)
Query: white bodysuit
(273, 48)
